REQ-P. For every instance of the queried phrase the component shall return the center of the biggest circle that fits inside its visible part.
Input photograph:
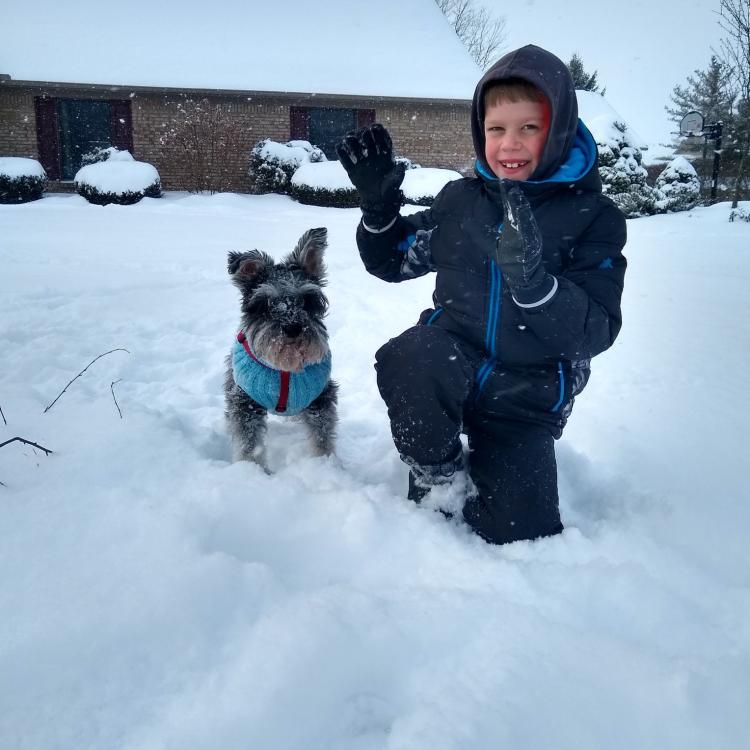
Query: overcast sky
(641, 48)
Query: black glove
(367, 157)
(519, 247)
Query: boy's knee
(407, 347)
(421, 347)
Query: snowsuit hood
(552, 77)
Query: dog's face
(283, 304)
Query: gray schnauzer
(280, 361)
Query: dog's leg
(321, 418)
(246, 421)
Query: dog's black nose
(292, 330)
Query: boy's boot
(444, 486)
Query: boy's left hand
(519, 247)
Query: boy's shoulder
(454, 194)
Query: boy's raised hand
(367, 157)
(519, 247)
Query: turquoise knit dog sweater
(278, 391)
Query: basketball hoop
(691, 124)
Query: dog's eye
(257, 305)
(314, 304)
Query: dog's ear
(248, 266)
(308, 254)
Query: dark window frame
(299, 120)
(48, 128)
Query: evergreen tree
(708, 91)
(679, 186)
(712, 93)
(582, 80)
(624, 177)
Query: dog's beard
(277, 350)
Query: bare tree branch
(81, 373)
(26, 442)
(734, 19)
(481, 33)
(112, 388)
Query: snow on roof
(599, 117)
(401, 48)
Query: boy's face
(514, 137)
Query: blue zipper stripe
(493, 317)
(488, 341)
(561, 379)
(484, 374)
(498, 304)
(435, 315)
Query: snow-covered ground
(156, 596)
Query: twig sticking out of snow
(5, 421)
(112, 388)
(26, 442)
(81, 373)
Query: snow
(155, 595)
(325, 175)
(330, 175)
(393, 49)
(18, 166)
(292, 153)
(600, 118)
(677, 168)
(426, 181)
(119, 174)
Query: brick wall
(257, 119)
(433, 135)
(17, 124)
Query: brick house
(58, 104)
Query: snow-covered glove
(367, 157)
(519, 247)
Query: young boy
(530, 271)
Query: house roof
(600, 118)
(391, 48)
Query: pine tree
(582, 80)
(709, 92)
(624, 177)
(712, 93)
(679, 186)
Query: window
(69, 128)
(325, 126)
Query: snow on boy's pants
(428, 382)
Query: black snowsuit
(479, 362)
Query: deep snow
(154, 595)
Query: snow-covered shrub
(422, 184)
(739, 214)
(272, 164)
(623, 176)
(324, 183)
(679, 186)
(100, 153)
(119, 179)
(21, 179)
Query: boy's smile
(514, 137)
